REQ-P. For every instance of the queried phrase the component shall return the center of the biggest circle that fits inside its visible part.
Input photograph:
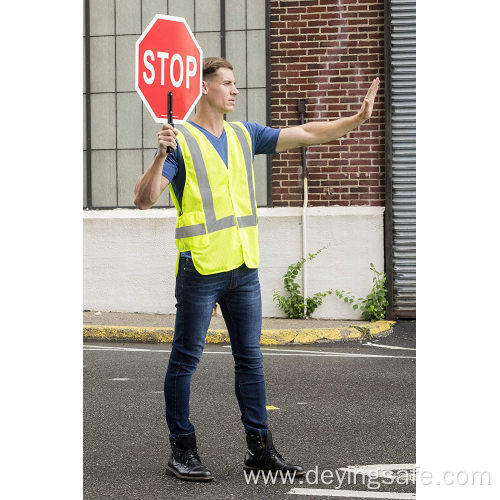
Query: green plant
(364, 331)
(293, 304)
(373, 306)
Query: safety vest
(217, 221)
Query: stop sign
(168, 59)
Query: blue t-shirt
(264, 141)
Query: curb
(158, 335)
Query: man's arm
(151, 184)
(313, 133)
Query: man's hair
(212, 64)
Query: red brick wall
(328, 52)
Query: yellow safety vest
(218, 218)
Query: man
(210, 177)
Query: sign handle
(169, 116)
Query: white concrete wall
(129, 256)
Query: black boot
(185, 461)
(263, 455)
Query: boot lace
(190, 455)
(273, 451)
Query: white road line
(109, 348)
(120, 379)
(338, 355)
(294, 350)
(350, 493)
(404, 473)
(379, 467)
(266, 353)
(324, 353)
(390, 346)
(122, 349)
(287, 350)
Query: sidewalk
(159, 329)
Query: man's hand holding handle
(166, 138)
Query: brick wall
(328, 52)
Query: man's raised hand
(367, 107)
(166, 138)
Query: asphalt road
(339, 405)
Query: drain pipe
(302, 111)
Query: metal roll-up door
(401, 157)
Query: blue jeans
(238, 294)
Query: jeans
(238, 294)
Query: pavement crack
(296, 335)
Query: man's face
(220, 90)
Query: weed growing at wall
(293, 303)
(373, 306)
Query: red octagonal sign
(168, 59)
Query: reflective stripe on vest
(206, 193)
(247, 220)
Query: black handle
(169, 116)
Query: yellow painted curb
(128, 333)
(159, 335)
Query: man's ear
(204, 87)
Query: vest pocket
(191, 232)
